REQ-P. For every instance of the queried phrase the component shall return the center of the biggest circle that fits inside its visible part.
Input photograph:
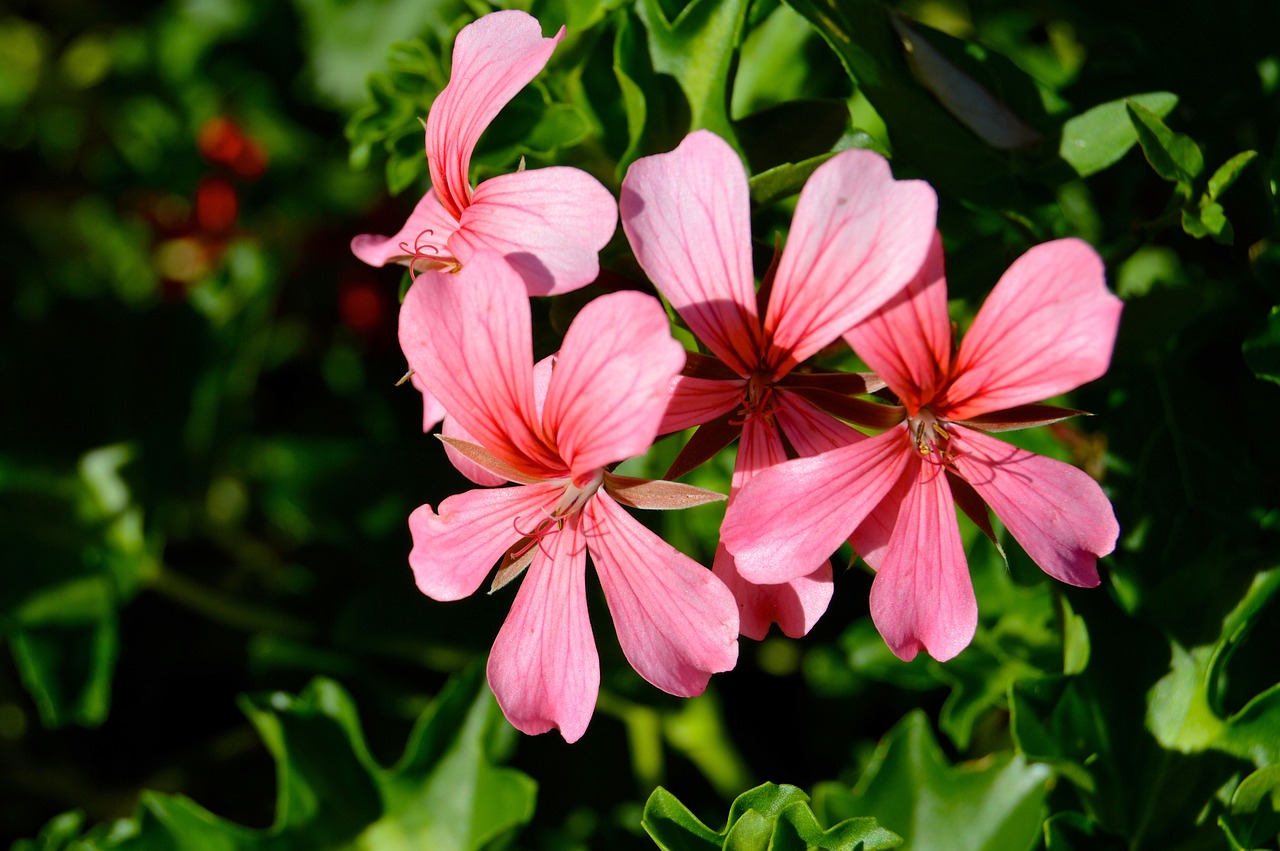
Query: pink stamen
(419, 251)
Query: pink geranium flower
(1047, 327)
(550, 223)
(553, 432)
(857, 238)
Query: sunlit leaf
(1097, 138)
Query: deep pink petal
(467, 335)
(857, 238)
(543, 668)
(695, 401)
(455, 549)
(550, 224)
(871, 539)
(922, 597)
(908, 341)
(808, 429)
(493, 58)
(462, 463)
(1056, 512)
(424, 236)
(687, 216)
(788, 519)
(1047, 327)
(676, 622)
(609, 388)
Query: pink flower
(553, 432)
(857, 238)
(1047, 327)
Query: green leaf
(1097, 138)
(1262, 348)
(1253, 818)
(1228, 172)
(767, 818)
(769, 137)
(994, 805)
(657, 110)
(1174, 157)
(697, 48)
(1184, 709)
(1068, 831)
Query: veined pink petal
(695, 401)
(788, 519)
(455, 549)
(1056, 512)
(550, 224)
(1047, 327)
(432, 411)
(493, 58)
(425, 236)
(687, 216)
(543, 668)
(462, 463)
(468, 336)
(858, 236)
(871, 539)
(922, 597)
(808, 429)
(794, 605)
(908, 341)
(676, 622)
(608, 391)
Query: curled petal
(788, 519)
(858, 236)
(922, 597)
(608, 391)
(676, 622)
(455, 549)
(687, 216)
(550, 224)
(493, 58)
(908, 341)
(543, 668)
(1047, 327)
(422, 241)
(1056, 512)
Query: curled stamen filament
(419, 251)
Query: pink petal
(1047, 327)
(608, 391)
(543, 668)
(695, 401)
(455, 549)
(462, 463)
(922, 597)
(468, 336)
(493, 58)
(908, 341)
(550, 224)
(1056, 512)
(871, 539)
(425, 236)
(432, 411)
(857, 238)
(687, 216)
(788, 519)
(809, 429)
(676, 622)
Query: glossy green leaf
(1262, 348)
(1228, 172)
(657, 110)
(910, 788)
(1097, 138)
(1174, 156)
(1252, 821)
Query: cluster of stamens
(931, 438)
(573, 500)
(758, 401)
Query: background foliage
(211, 638)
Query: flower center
(758, 401)
(572, 500)
(930, 435)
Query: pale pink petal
(922, 597)
(455, 549)
(609, 388)
(676, 622)
(432, 411)
(687, 216)
(424, 236)
(550, 224)
(857, 238)
(468, 336)
(543, 668)
(908, 341)
(809, 429)
(695, 401)
(1047, 327)
(788, 519)
(462, 463)
(1056, 512)
(493, 58)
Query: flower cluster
(862, 262)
